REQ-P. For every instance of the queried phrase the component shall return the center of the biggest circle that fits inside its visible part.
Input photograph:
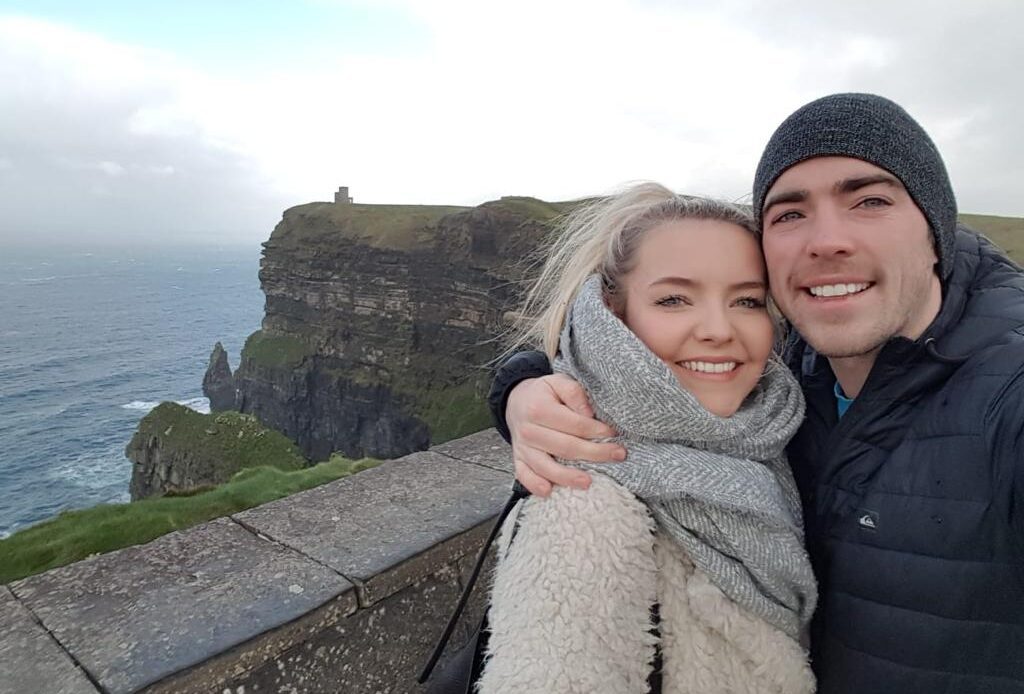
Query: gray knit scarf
(720, 486)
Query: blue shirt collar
(842, 402)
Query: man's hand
(550, 417)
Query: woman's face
(696, 297)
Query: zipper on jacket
(854, 415)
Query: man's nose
(829, 235)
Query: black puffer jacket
(914, 501)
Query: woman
(690, 552)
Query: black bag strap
(654, 677)
(518, 492)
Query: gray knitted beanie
(872, 128)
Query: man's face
(850, 256)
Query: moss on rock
(178, 449)
(276, 351)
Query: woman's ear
(615, 304)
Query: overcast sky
(197, 120)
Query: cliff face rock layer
(380, 320)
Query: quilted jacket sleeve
(518, 368)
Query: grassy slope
(1007, 232)
(75, 535)
(540, 210)
(276, 351)
(398, 227)
(231, 439)
(265, 463)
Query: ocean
(90, 341)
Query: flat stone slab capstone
(483, 448)
(135, 616)
(374, 527)
(30, 660)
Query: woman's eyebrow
(687, 282)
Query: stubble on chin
(840, 342)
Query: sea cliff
(380, 323)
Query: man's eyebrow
(852, 185)
(786, 196)
(845, 186)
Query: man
(908, 342)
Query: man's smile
(840, 289)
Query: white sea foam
(140, 405)
(200, 405)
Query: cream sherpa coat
(570, 608)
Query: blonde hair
(602, 237)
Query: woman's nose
(714, 326)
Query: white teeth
(838, 289)
(708, 367)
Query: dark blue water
(92, 340)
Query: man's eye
(874, 202)
(787, 217)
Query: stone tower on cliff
(342, 196)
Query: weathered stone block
(379, 650)
(136, 616)
(390, 526)
(30, 660)
(484, 448)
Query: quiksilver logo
(867, 520)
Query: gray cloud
(76, 166)
(955, 67)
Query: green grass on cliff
(397, 227)
(75, 535)
(276, 351)
(231, 440)
(452, 412)
(533, 208)
(392, 227)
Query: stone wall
(342, 588)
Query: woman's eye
(674, 300)
(750, 302)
